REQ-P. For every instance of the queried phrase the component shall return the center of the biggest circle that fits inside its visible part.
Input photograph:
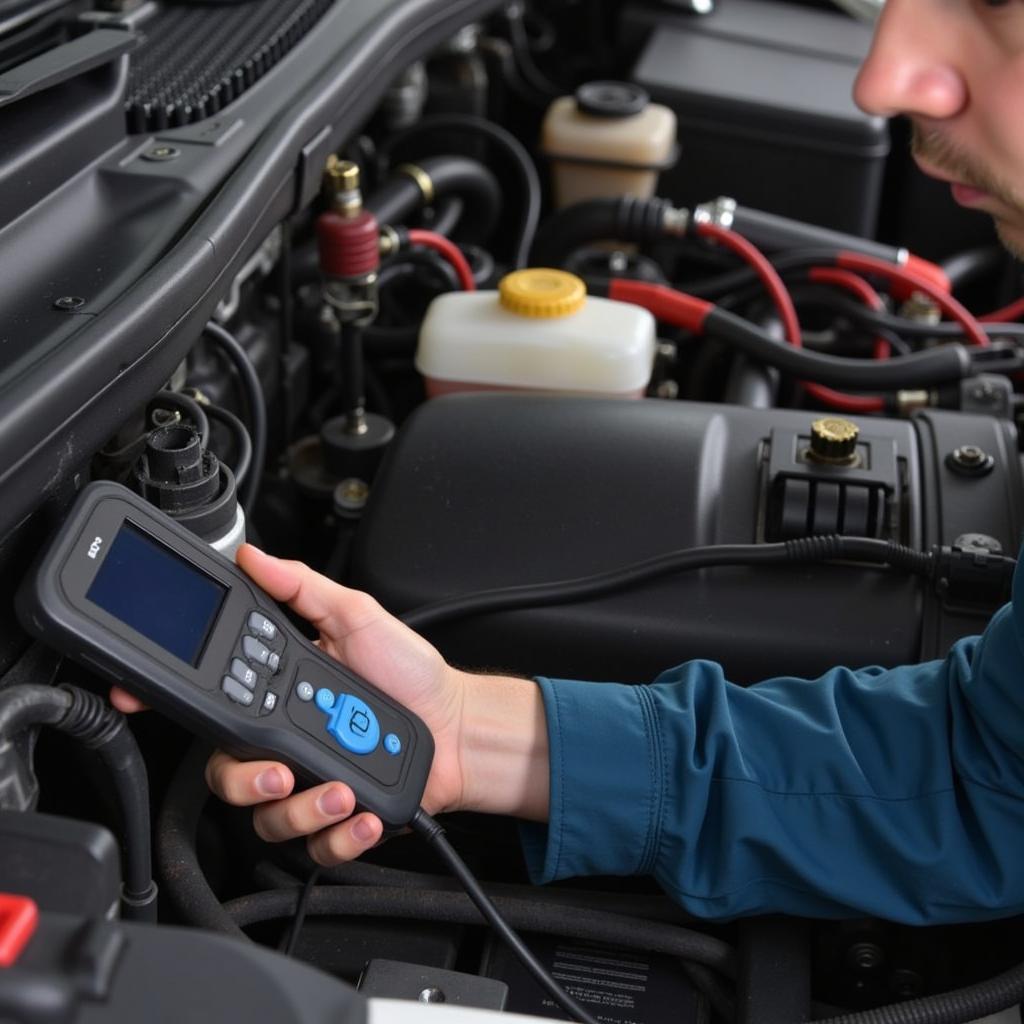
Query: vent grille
(193, 61)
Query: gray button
(236, 691)
(262, 626)
(255, 651)
(269, 703)
(243, 673)
(305, 691)
(273, 661)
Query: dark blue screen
(157, 593)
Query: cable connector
(972, 574)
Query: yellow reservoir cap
(542, 292)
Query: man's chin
(1012, 237)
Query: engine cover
(485, 491)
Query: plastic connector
(972, 575)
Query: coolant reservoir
(539, 331)
(607, 140)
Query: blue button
(392, 744)
(350, 721)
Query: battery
(762, 91)
(616, 986)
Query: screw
(905, 984)
(69, 302)
(970, 460)
(865, 956)
(162, 152)
(431, 995)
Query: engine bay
(495, 311)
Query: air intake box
(483, 491)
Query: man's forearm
(504, 747)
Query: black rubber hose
(459, 176)
(619, 219)
(243, 442)
(239, 358)
(957, 1007)
(184, 881)
(940, 365)
(513, 149)
(964, 267)
(22, 707)
(457, 908)
(96, 725)
(93, 723)
(359, 872)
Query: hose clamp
(721, 212)
(423, 181)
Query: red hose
(1004, 315)
(862, 290)
(900, 276)
(449, 250)
(787, 313)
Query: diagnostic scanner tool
(131, 593)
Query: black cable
(941, 365)
(512, 147)
(243, 443)
(300, 912)
(99, 727)
(585, 588)
(515, 16)
(433, 833)
(964, 267)
(239, 358)
(970, 1003)
(916, 328)
(651, 906)
(623, 930)
(88, 719)
(182, 404)
(184, 881)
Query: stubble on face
(942, 155)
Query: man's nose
(912, 65)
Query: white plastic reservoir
(539, 331)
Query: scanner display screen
(157, 593)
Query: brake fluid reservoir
(539, 331)
(607, 140)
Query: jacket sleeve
(897, 793)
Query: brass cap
(834, 439)
(341, 185)
(542, 292)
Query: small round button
(304, 691)
(392, 744)
(324, 699)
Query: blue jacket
(897, 792)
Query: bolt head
(69, 302)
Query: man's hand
(356, 631)
(490, 733)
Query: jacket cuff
(607, 781)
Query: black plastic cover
(66, 866)
(116, 973)
(484, 491)
(768, 85)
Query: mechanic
(895, 793)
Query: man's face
(956, 69)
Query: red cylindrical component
(349, 246)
